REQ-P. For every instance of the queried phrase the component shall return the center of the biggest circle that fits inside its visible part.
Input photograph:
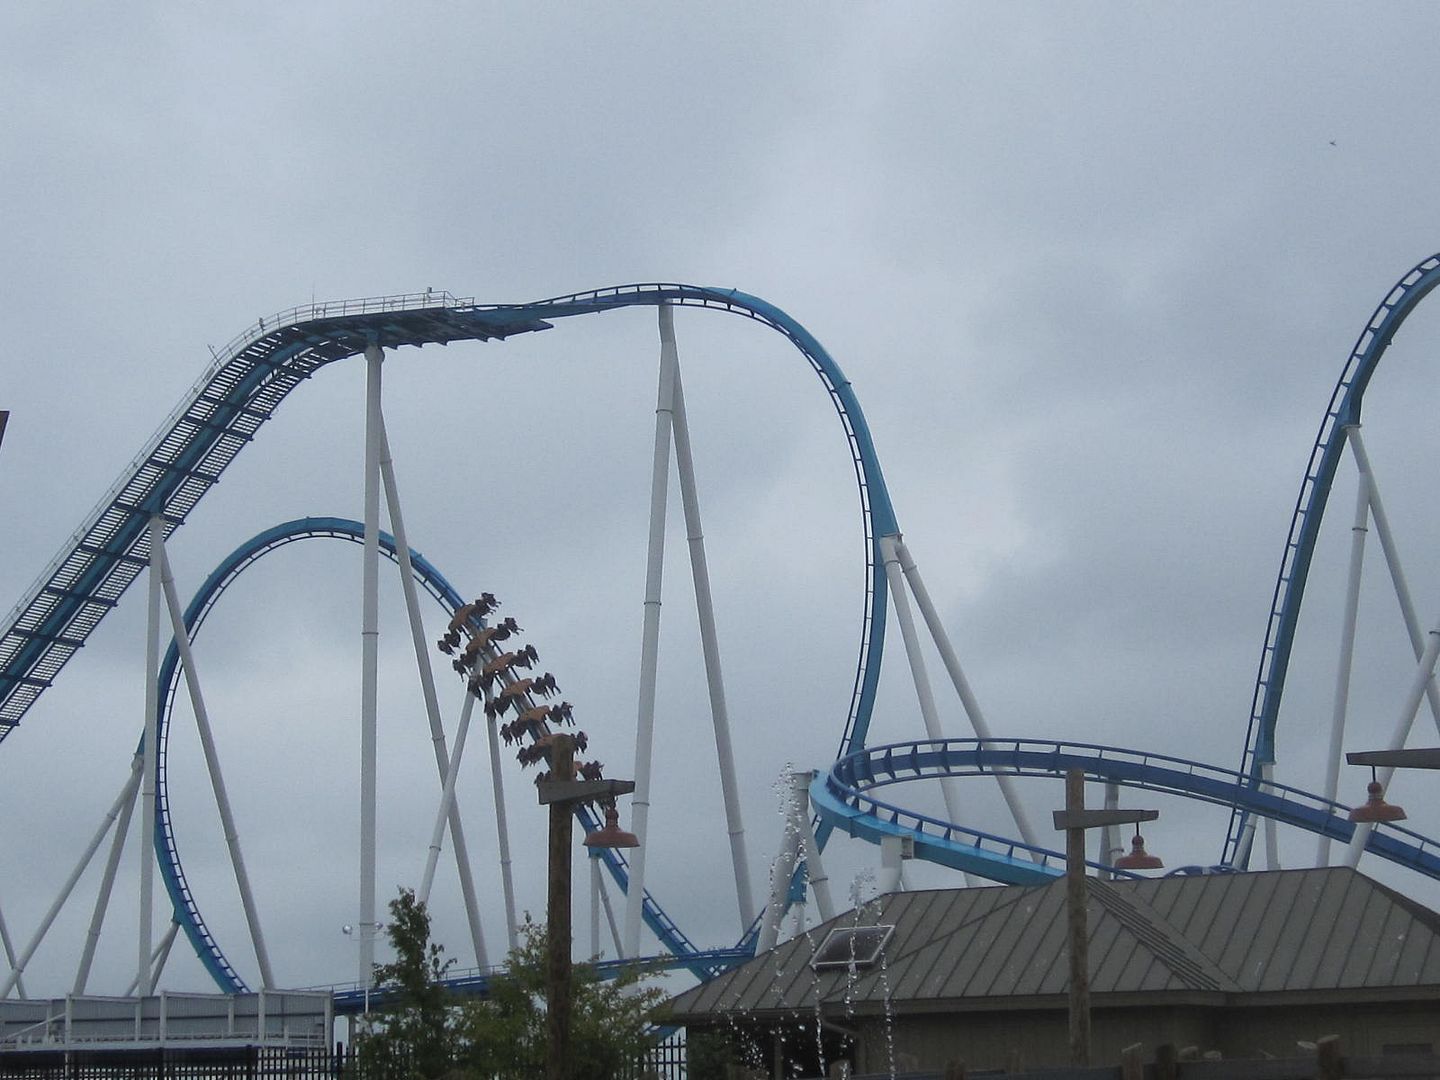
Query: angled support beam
(650, 635)
(212, 766)
(127, 793)
(432, 703)
(710, 647)
(107, 884)
(951, 661)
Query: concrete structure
(1244, 964)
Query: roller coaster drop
(251, 377)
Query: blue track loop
(1344, 409)
(841, 796)
(187, 911)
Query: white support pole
(157, 958)
(1392, 561)
(146, 846)
(962, 685)
(1424, 672)
(889, 551)
(427, 687)
(127, 792)
(710, 646)
(9, 947)
(502, 830)
(595, 883)
(1345, 664)
(369, 655)
(814, 869)
(650, 637)
(610, 919)
(781, 871)
(447, 801)
(212, 764)
(107, 885)
(1108, 846)
(1272, 842)
(891, 852)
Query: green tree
(412, 1035)
(422, 1031)
(611, 1021)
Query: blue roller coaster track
(841, 798)
(1343, 410)
(224, 411)
(254, 374)
(701, 962)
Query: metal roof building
(1241, 963)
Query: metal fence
(665, 1062)
(171, 1063)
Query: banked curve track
(842, 796)
(255, 373)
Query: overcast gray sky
(1092, 268)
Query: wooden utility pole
(1077, 913)
(1073, 821)
(561, 792)
(557, 917)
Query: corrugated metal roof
(1224, 934)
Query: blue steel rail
(187, 911)
(253, 375)
(351, 998)
(841, 798)
(1343, 410)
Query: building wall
(1032, 1039)
(1364, 1030)
(1037, 1039)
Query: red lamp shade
(1139, 858)
(1375, 808)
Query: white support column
(212, 765)
(1344, 665)
(1272, 842)
(781, 871)
(891, 852)
(962, 685)
(127, 793)
(502, 831)
(157, 959)
(650, 638)
(889, 551)
(1392, 561)
(147, 800)
(814, 868)
(710, 646)
(595, 883)
(1108, 846)
(1424, 672)
(369, 656)
(610, 919)
(447, 802)
(427, 687)
(9, 947)
(107, 884)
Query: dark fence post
(1166, 1067)
(1328, 1064)
(1132, 1065)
